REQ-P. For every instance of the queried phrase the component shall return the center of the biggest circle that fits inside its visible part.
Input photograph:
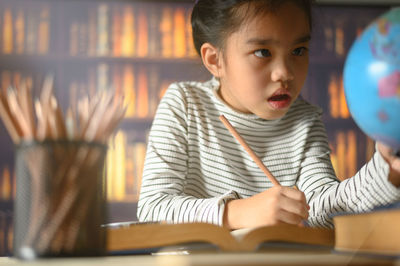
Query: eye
(262, 53)
(300, 51)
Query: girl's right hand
(273, 206)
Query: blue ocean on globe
(372, 79)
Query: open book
(156, 235)
(376, 232)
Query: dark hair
(214, 20)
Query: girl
(196, 171)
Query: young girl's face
(265, 63)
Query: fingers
(294, 193)
(290, 218)
(294, 205)
(388, 153)
(288, 206)
(396, 165)
(393, 160)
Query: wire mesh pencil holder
(60, 200)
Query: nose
(281, 71)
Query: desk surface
(223, 259)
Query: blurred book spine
(20, 32)
(142, 94)
(337, 100)
(7, 195)
(125, 160)
(191, 51)
(129, 90)
(344, 154)
(31, 32)
(179, 31)
(339, 40)
(73, 38)
(92, 32)
(166, 28)
(102, 77)
(103, 30)
(142, 33)
(154, 33)
(43, 31)
(116, 32)
(128, 32)
(7, 31)
(7, 182)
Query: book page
(239, 234)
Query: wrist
(393, 162)
(232, 214)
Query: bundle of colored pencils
(91, 120)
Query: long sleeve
(367, 189)
(163, 196)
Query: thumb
(395, 164)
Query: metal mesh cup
(60, 199)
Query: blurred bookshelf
(138, 48)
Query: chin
(272, 114)
(270, 117)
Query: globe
(372, 79)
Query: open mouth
(279, 97)
(280, 101)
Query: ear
(211, 58)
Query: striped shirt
(193, 164)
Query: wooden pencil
(11, 126)
(27, 107)
(16, 112)
(242, 142)
(59, 117)
(41, 127)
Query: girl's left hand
(393, 161)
